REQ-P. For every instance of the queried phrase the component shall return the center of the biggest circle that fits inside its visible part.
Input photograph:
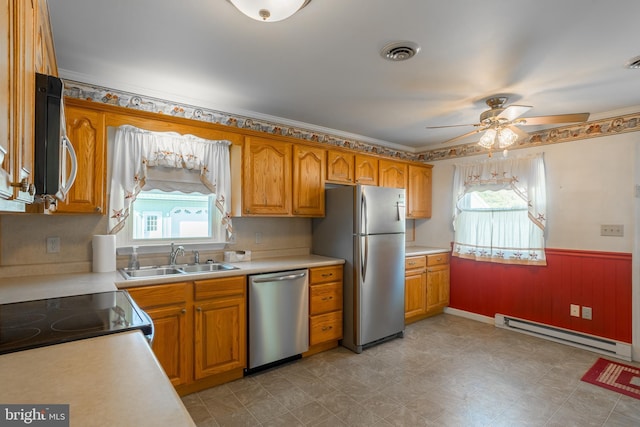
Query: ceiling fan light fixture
(488, 138)
(506, 137)
(269, 10)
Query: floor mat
(615, 376)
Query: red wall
(600, 280)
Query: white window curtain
(503, 236)
(167, 161)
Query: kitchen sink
(202, 268)
(167, 270)
(150, 272)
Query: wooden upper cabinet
(26, 30)
(366, 170)
(419, 192)
(308, 180)
(45, 56)
(392, 174)
(86, 131)
(340, 167)
(266, 166)
(7, 95)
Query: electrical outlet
(616, 230)
(53, 245)
(586, 313)
(575, 310)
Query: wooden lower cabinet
(167, 307)
(415, 288)
(438, 278)
(325, 308)
(426, 286)
(220, 325)
(199, 330)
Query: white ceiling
(322, 69)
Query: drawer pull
(327, 328)
(199, 308)
(327, 298)
(183, 311)
(327, 274)
(412, 263)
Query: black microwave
(54, 158)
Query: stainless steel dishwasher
(278, 317)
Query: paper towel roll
(104, 253)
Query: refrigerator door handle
(363, 215)
(401, 210)
(364, 258)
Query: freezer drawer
(278, 317)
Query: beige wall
(589, 183)
(23, 241)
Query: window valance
(170, 162)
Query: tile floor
(446, 371)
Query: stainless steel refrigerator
(365, 226)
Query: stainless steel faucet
(174, 253)
(196, 255)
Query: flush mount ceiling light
(269, 10)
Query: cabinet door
(24, 102)
(266, 186)
(170, 341)
(86, 131)
(7, 97)
(220, 336)
(415, 294)
(437, 287)
(45, 57)
(419, 192)
(308, 180)
(340, 166)
(366, 170)
(392, 174)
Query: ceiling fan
(502, 123)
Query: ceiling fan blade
(448, 141)
(560, 118)
(452, 126)
(513, 111)
(521, 134)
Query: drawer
(435, 259)
(325, 327)
(326, 274)
(415, 262)
(217, 288)
(325, 297)
(159, 295)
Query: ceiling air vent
(634, 62)
(399, 51)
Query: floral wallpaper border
(592, 129)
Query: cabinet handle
(23, 185)
(327, 274)
(98, 209)
(326, 328)
(412, 263)
(327, 298)
(183, 311)
(199, 309)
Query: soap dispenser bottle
(134, 264)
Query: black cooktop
(37, 323)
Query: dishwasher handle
(279, 278)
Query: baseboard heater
(564, 336)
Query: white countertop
(114, 380)
(424, 250)
(259, 266)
